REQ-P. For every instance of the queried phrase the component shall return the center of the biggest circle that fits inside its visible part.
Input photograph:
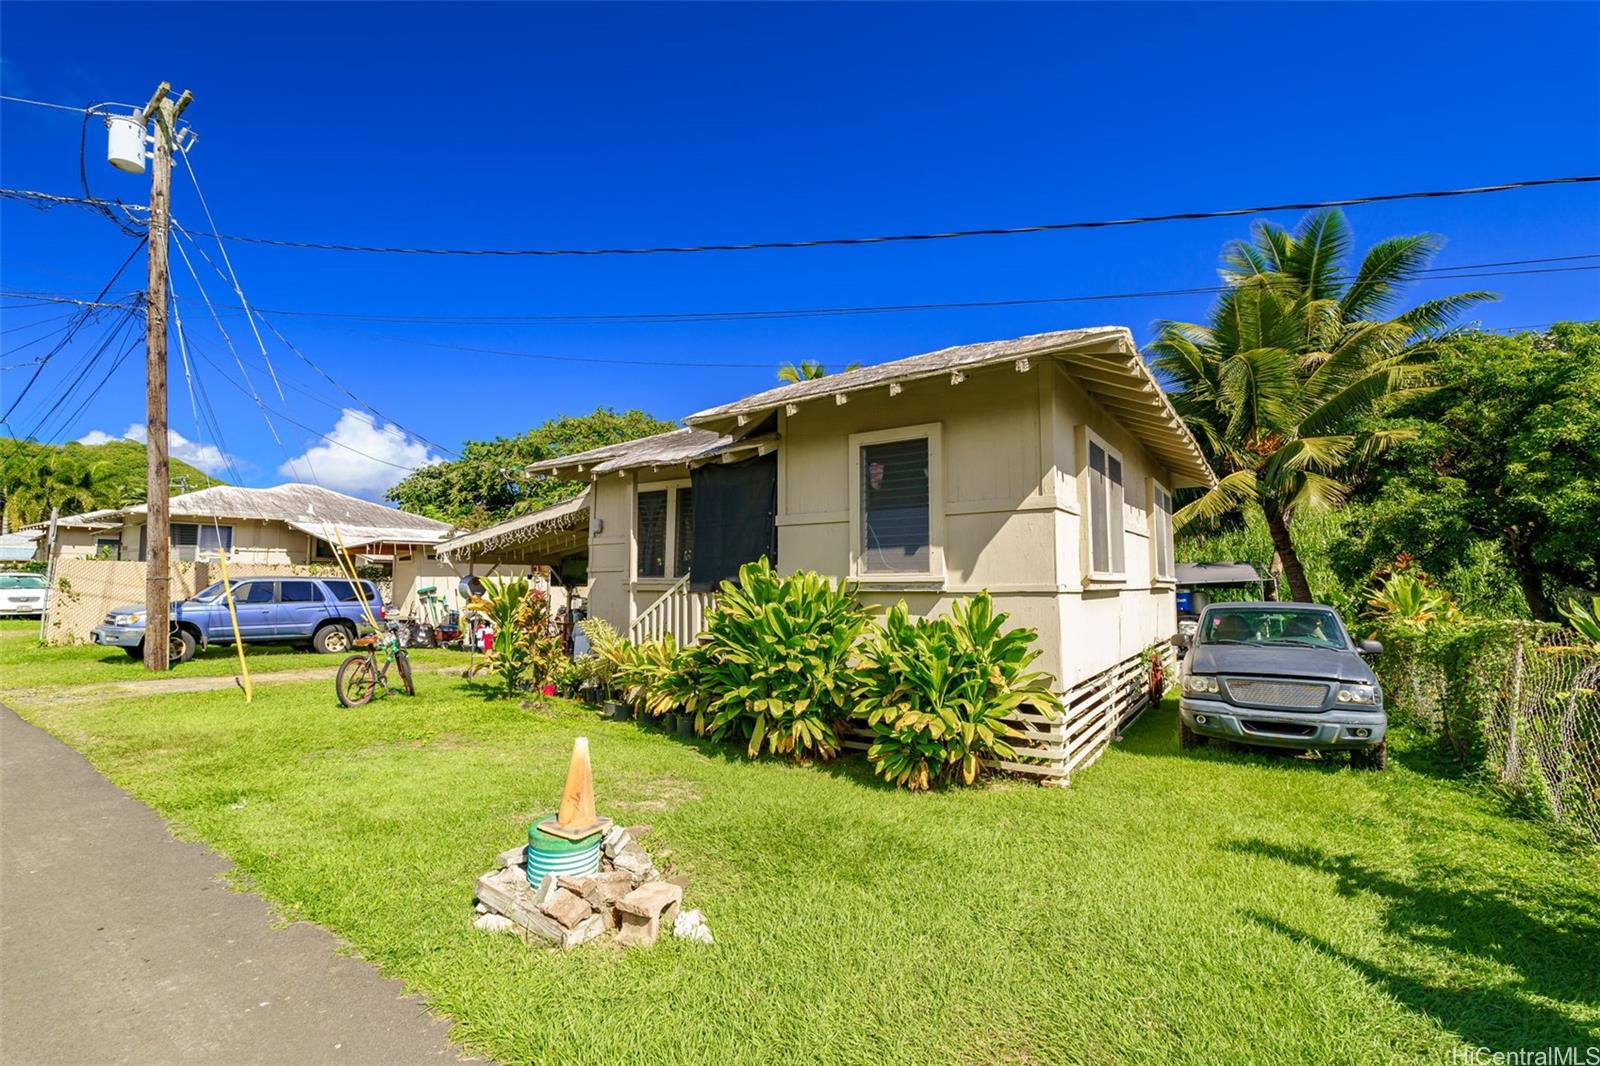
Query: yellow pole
(233, 617)
(349, 566)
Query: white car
(22, 594)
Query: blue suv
(322, 612)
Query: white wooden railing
(677, 611)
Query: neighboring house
(291, 524)
(287, 530)
(1041, 469)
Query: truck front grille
(1277, 693)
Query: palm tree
(807, 370)
(1286, 384)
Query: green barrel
(548, 854)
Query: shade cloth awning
(1217, 574)
(544, 536)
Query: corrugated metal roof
(1103, 360)
(296, 502)
(663, 449)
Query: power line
(808, 312)
(1002, 231)
(86, 314)
(1444, 273)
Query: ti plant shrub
(936, 691)
(527, 650)
(774, 662)
(659, 677)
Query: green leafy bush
(936, 691)
(526, 648)
(611, 652)
(659, 677)
(774, 662)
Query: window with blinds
(1106, 540)
(197, 538)
(652, 532)
(1161, 531)
(683, 531)
(894, 507)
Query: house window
(108, 547)
(665, 515)
(896, 514)
(1106, 547)
(321, 549)
(1161, 531)
(683, 530)
(652, 533)
(199, 538)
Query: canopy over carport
(1203, 574)
(544, 538)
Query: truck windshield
(1267, 625)
(21, 581)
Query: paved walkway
(119, 944)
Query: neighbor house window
(652, 533)
(896, 516)
(1106, 548)
(108, 547)
(200, 538)
(1161, 531)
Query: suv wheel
(1373, 758)
(332, 640)
(1188, 738)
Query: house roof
(1216, 574)
(548, 528)
(1103, 360)
(309, 508)
(663, 449)
(105, 518)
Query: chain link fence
(1518, 700)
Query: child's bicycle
(360, 675)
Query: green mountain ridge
(80, 477)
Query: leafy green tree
(489, 482)
(1508, 453)
(1296, 360)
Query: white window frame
(933, 433)
(670, 564)
(191, 552)
(1161, 536)
(1116, 513)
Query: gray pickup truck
(1283, 675)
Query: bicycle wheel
(403, 661)
(355, 683)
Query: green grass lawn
(1207, 907)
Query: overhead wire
(825, 242)
(87, 313)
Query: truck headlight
(1357, 694)
(134, 619)
(1199, 685)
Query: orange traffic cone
(576, 819)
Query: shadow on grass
(1440, 917)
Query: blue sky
(614, 125)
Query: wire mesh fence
(1519, 700)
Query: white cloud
(360, 457)
(206, 457)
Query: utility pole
(163, 112)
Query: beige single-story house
(1041, 469)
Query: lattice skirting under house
(1099, 709)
